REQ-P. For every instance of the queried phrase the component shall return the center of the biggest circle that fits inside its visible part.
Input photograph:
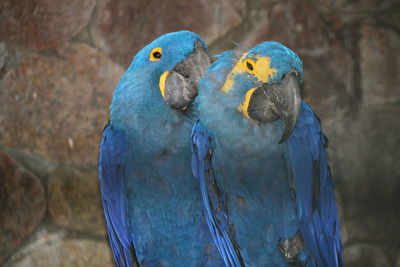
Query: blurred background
(60, 61)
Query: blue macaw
(258, 152)
(151, 201)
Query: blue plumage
(111, 173)
(258, 191)
(151, 201)
(213, 200)
(315, 197)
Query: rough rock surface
(22, 204)
(40, 166)
(74, 200)
(349, 11)
(51, 250)
(122, 28)
(380, 65)
(10, 56)
(304, 29)
(43, 23)
(327, 83)
(365, 153)
(57, 104)
(362, 254)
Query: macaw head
(175, 62)
(265, 85)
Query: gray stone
(22, 204)
(10, 56)
(54, 249)
(35, 163)
(43, 23)
(380, 65)
(283, 21)
(74, 200)
(122, 28)
(296, 24)
(349, 11)
(56, 105)
(364, 157)
(328, 83)
(366, 255)
(390, 17)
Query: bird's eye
(155, 54)
(249, 65)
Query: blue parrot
(151, 201)
(258, 152)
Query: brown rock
(297, 25)
(390, 17)
(44, 23)
(365, 153)
(54, 251)
(240, 7)
(380, 65)
(56, 105)
(327, 83)
(74, 200)
(122, 28)
(350, 10)
(22, 204)
(366, 255)
(40, 166)
(10, 56)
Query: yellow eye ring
(249, 65)
(155, 54)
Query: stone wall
(59, 63)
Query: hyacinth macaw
(151, 201)
(259, 155)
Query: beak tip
(290, 123)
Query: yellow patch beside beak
(257, 66)
(163, 78)
(243, 108)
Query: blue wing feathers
(319, 222)
(213, 201)
(111, 178)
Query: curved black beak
(179, 85)
(278, 101)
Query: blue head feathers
(256, 84)
(267, 62)
(283, 59)
(163, 76)
(175, 46)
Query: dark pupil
(249, 66)
(157, 55)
